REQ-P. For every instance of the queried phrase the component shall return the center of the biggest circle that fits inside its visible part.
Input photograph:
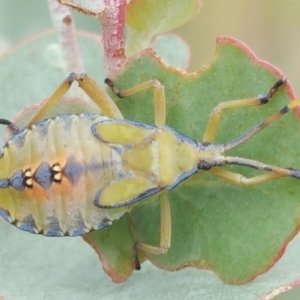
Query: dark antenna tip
(13, 127)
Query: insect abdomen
(50, 174)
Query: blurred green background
(269, 27)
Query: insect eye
(204, 165)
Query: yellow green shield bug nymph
(72, 174)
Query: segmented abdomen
(50, 174)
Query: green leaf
(173, 49)
(146, 19)
(237, 232)
(117, 265)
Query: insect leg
(90, 87)
(99, 96)
(216, 114)
(254, 130)
(242, 180)
(165, 234)
(273, 171)
(159, 97)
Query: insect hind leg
(159, 97)
(165, 234)
(90, 87)
(216, 115)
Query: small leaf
(146, 19)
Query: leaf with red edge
(237, 232)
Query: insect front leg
(90, 87)
(159, 97)
(216, 115)
(239, 179)
(256, 129)
(273, 172)
(165, 233)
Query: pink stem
(113, 23)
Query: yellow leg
(216, 114)
(160, 120)
(165, 234)
(90, 87)
(273, 171)
(254, 130)
(242, 180)
(159, 97)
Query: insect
(71, 174)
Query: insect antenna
(13, 127)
